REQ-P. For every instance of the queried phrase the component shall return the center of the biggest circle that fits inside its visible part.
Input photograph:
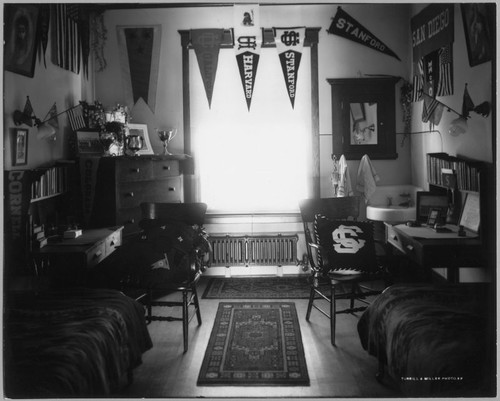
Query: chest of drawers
(123, 183)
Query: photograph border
(20, 147)
(147, 148)
(12, 13)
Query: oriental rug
(255, 344)
(296, 287)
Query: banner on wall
(206, 44)
(435, 70)
(140, 57)
(432, 29)
(248, 40)
(347, 27)
(289, 43)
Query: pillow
(348, 245)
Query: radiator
(261, 250)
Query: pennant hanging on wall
(206, 44)
(347, 27)
(140, 57)
(43, 30)
(289, 43)
(248, 39)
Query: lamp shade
(45, 131)
(458, 126)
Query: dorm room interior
(309, 187)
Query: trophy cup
(166, 136)
(134, 144)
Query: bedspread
(433, 340)
(79, 342)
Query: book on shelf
(39, 243)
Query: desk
(69, 259)
(447, 251)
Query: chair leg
(196, 303)
(333, 314)
(310, 304)
(185, 318)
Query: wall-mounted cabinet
(363, 117)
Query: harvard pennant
(347, 27)
(289, 43)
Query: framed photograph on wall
(20, 147)
(88, 143)
(478, 31)
(142, 131)
(21, 22)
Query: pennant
(248, 40)
(206, 44)
(51, 117)
(289, 43)
(432, 110)
(43, 34)
(75, 116)
(28, 111)
(347, 27)
(467, 103)
(418, 80)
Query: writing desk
(428, 249)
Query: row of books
(50, 181)
(467, 172)
(38, 237)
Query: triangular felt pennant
(248, 39)
(206, 44)
(467, 103)
(289, 43)
(43, 29)
(51, 117)
(347, 27)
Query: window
(251, 161)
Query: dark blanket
(434, 341)
(82, 343)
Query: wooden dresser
(123, 183)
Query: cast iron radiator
(261, 250)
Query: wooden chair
(167, 228)
(341, 253)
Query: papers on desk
(429, 233)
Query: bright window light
(251, 161)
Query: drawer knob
(166, 167)
(131, 221)
(130, 194)
(395, 237)
(98, 254)
(112, 243)
(409, 247)
(171, 189)
(135, 170)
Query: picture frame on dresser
(20, 147)
(88, 143)
(470, 216)
(142, 131)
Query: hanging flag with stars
(418, 80)
(289, 43)
(445, 75)
(248, 40)
(347, 27)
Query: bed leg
(380, 373)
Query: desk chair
(169, 255)
(341, 253)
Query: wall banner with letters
(248, 40)
(289, 43)
(347, 27)
(432, 29)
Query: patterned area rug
(255, 344)
(258, 288)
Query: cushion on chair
(346, 245)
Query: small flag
(28, 111)
(51, 117)
(76, 119)
(445, 80)
(418, 81)
(432, 110)
(467, 103)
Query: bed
(73, 343)
(432, 340)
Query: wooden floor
(344, 371)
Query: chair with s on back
(341, 253)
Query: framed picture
(20, 147)
(433, 217)
(88, 143)
(142, 131)
(470, 217)
(21, 22)
(478, 31)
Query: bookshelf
(468, 172)
(49, 182)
